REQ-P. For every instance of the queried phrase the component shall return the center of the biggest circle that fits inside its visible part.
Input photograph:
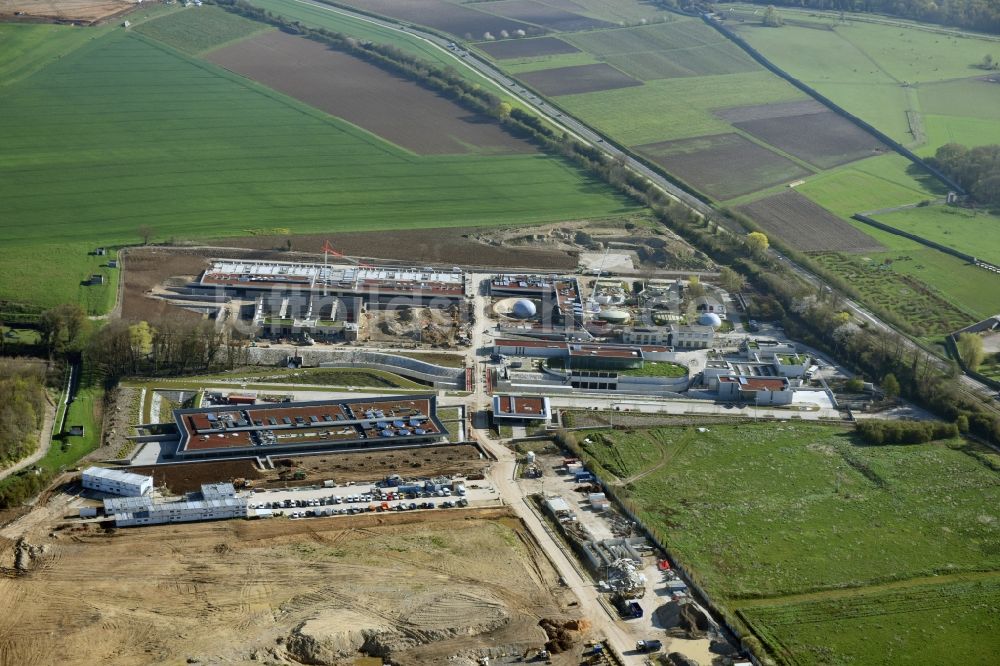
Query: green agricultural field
(844, 523)
(199, 29)
(932, 624)
(683, 48)
(535, 63)
(873, 184)
(676, 108)
(198, 152)
(973, 232)
(965, 111)
(27, 47)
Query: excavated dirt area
(448, 588)
(76, 11)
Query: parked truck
(648, 646)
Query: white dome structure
(523, 309)
(710, 319)
(615, 316)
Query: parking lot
(314, 502)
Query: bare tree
(145, 233)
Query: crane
(327, 251)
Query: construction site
(441, 588)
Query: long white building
(116, 482)
(217, 502)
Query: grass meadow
(946, 623)
(973, 232)
(843, 515)
(96, 146)
(775, 516)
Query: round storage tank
(614, 316)
(710, 319)
(523, 309)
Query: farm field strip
(463, 20)
(723, 166)
(199, 29)
(806, 226)
(365, 95)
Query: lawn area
(655, 369)
(319, 376)
(198, 29)
(973, 232)
(838, 540)
(676, 108)
(198, 152)
(85, 410)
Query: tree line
(165, 347)
(975, 169)
(878, 432)
(979, 15)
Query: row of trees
(980, 15)
(976, 169)
(22, 407)
(165, 347)
(878, 432)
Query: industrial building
(268, 428)
(116, 482)
(756, 390)
(216, 501)
(375, 284)
(562, 305)
(520, 408)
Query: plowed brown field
(385, 104)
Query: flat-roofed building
(756, 390)
(521, 408)
(116, 482)
(216, 501)
(269, 428)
